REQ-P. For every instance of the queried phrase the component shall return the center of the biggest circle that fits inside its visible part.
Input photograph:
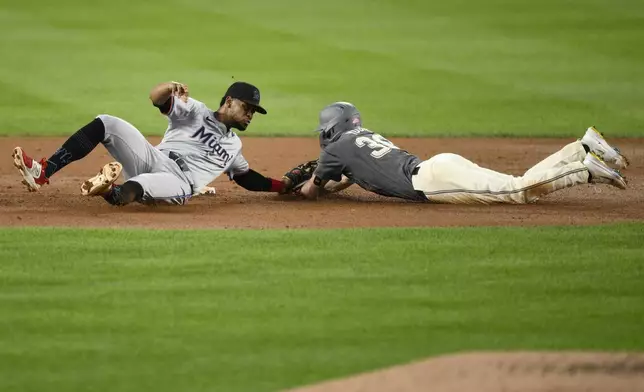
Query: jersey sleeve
(329, 165)
(239, 166)
(181, 111)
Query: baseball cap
(245, 92)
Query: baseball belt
(178, 159)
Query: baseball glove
(297, 176)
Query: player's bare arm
(163, 91)
(315, 187)
(337, 186)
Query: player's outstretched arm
(315, 187)
(256, 182)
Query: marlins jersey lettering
(207, 147)
(372, 162)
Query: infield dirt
(60, 203)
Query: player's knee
(106, 119)
(112, 124)
(132, 191)
(94, 132)
(127, 193)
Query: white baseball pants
(450, 178)
(159, 176)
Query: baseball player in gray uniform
(198, 146)
(352, 154)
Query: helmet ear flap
(323, 141)
(326, 136)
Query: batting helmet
(335, 119)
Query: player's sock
(76, 147)
(590, 176)
(586, 148)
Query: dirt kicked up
(60, 203)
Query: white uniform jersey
(206, 146)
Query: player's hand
(288, 185)
(295, 178)
(180, 90)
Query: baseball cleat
(102, 182)
(601, 173)
(600, 147)
(208, 191)
(33, 172)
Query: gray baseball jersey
(372, 162)
(207, 147)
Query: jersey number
(377, 143)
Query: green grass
(138, 310)
(416, 67)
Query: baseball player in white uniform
(198, 146)
(352, 154)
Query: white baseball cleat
(601, 173)
(32, 171)
(600, 147)
(102, 182)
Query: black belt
(183, 166)
(178, 160)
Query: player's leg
(129, 147)
(37, 173)
(450, 178)
(122, 140)
(592, 141)
(588, 150)
(573, 152)
(120, 195)
(151, 188)
(158, 179)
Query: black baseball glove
(297, 176)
